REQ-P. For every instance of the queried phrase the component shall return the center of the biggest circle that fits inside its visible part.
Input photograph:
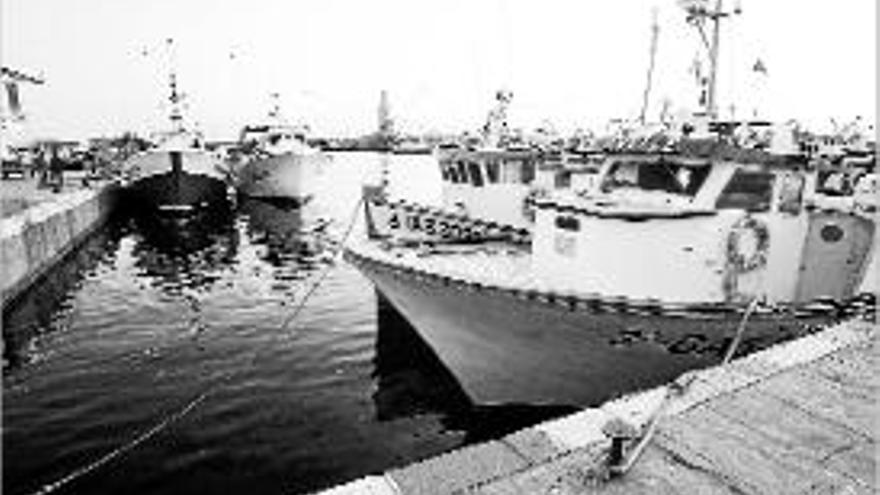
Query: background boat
(178, 174)
(277, 161)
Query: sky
(569, 63)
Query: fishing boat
(629, 284)
(488, 185)
(279, 164)
(412, 146)
(177, 175)
(490, 180)
(847, 169)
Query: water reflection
(184, 253)
(291, 238)
(412, 380)
(44, 307)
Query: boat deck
(794, 419)
(508, 268)
(490, 264)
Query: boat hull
(287, 176)
(179, 193)
(412, 222)
(176, 182)
(508, 346)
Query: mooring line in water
(327, 269)
(83, 470)
(192, 403)
(678, 388)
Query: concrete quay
(39, 227)
(796, 418)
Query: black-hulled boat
(178, 175)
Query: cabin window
(462, 173)
(568, 223)
(834, 183)
(492, 172)
(453, 173)
(476, 175)
(747, 190)
(562, 180)
(528, 172)
(662, 175)
(445, 173)
(791, 189)
(511, 172)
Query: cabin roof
(269, 127)
(711, 150)
(454, 154)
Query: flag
(759, 67)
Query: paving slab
(797, 418)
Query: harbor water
(292, 390)
(147, 316)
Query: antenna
(697, 14)
(176, 98)
(275, 110)
(655, 30)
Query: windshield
(659, 175)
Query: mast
(655, 29)
(495, 129)
(175, 98)
(697, 14)
(711, 103)
(275, 109)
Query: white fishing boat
(178, 174)
(278, 161)
(847, 169)
(492, 181)
(631, 283)
(411, 145)
(487, 189)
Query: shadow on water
(179, 253)
(284, 228)
(412, 380)
(43, 307)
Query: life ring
(747, 245)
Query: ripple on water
(144, 318)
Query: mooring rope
(675, 390)
(195, 401)
(86, 469)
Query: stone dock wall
(35, 239)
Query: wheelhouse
(485, 169)
(713, 228)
